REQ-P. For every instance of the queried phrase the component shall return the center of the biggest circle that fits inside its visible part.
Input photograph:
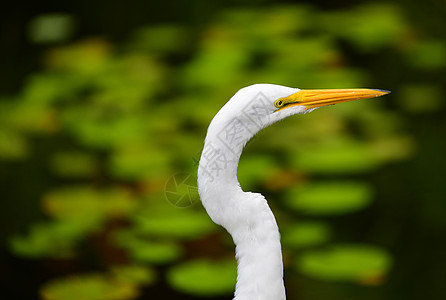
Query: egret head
(260, 105)
(247, 216)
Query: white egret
(245, 215)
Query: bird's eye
(278, 103)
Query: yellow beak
(318, 98)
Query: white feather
(246, 216)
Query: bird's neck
(258, 252)
(246, 216)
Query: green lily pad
(183, 224)
(254, 169)
(428, 55)
(12, 145)
(134, 274)
(354, 263)
(82, 202)
(55, 239)
(74, 164)
(330, 198)
(305, 234)
(155, 252)
(147, 251)
(89, 287)
(139, 163)
(345, 157)
(411, 95)
(204, 277)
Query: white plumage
(245, 215)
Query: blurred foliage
(363, 264)
(51, 28)
(118, 120)
(329, 197)
(118, 285)
(204, 278)
(305, 234)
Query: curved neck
(246, 216)
(259, 255)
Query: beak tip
(383, 91)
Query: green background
(103, 104)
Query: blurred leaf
(86, 204)
(428, 55)
(154, 252)
(369, 26)
(54, 27)
(203, 277)
(87, 58)
(41, 90)
(161, 39)
(89, 287)
(266, 24)
(254, 169)
(55, 239)
(206, 70)
(305, 234)
(336, 157)
(30, 117)
(143, 250)
(391, 149)
(12, 145)
(139, 162)
(317, 50)
(358, 263)
(74, 164)
(183, 224)
(105, 128)
(134, 274)
(328, 198)
(417, 98)
(134, 77)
